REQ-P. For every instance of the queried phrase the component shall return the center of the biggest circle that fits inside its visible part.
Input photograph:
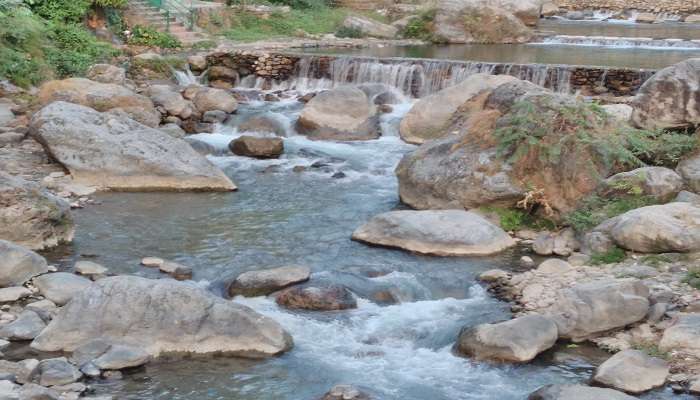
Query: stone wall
(681, 7)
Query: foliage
(320, 20)
(512, 219)
(349, 32)
(421, 26)
(204, 45)
(651, 349)
(594, 209)
(74, 50)
(302, 4)
(163, 66)
(148, 36)
(655, 260)
(69, 11)
(614, 255)
(692, 277)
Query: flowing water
(668, 30)
(281, 217)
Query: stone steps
(159, 20)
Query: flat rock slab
(632, 371)
(441, 233)
(90, 268)
(264, 282)
(60, 287)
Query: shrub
(249, 27)
(420, 27)
(512, 219)
(692, 277)
(594, 209)
(349, 32)
(614, 255)
(75, 50)
(148, 36)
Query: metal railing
(182, 10)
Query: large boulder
(683, 335)
(442, 233)
(468, 21)
(667, 228)
(162, 316)
(661, 183)
(31, 216)
(517, 340)
(257, 147)
(594, 307)
(101, 97)
(370, 27)
(112, 152)
(171, 101)
(632, 371)
(61, 287)
(212, 99)
(19, 264)
(510, 148)
(265, 281)
(689, 170)
(668, 99)
(271, 124)
(577, 392)
(343, 113)
(429, 116)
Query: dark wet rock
(577, 392)
(118, 153)
(57, 371)
(162, 316)
(632, 371)
(257, 147)
(19, 264)
(317, 298)
(266, 281)
(61, 287)
(443, 233)
(518, 340)
(30, 216)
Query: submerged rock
(343, 113)
(324, 298)
(667, 228)
(518, 340)
(667, 99)
(429, 116)
(61, 287)
(101, 97)
(589, 308)
(266, 281)
(162, 316)
(251, 146)
(118, 153)
(32, 217)
(632, 371)
(442, 233)
(577, 392)
(19, 264)
(345, 392)
(263, 124)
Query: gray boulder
(32, 391)
(683, 335)
(577, 392)
(107, 73)
(667, 99)
(211, 99)
(101, 97)
(667, 228)
(173, 130)
(257, 147)
(57, 371)
(107, 355)
(343, 113)
(9, 390)
(370, 27)
(27, 326)
(171, 101)
(590, 308)
(118, 153)
(12, 294)
(429, 116)
(468, 21)
(23, 371)
(442, 233)
(32, 217)
(61, 287)
(265, 124)
(518, 340)
(632, 371)
(266, 281)
(689, 170)
(662, 184)
(162, 316)
(19, 264)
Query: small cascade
(621, 42)
(186, 77)
(413, 77)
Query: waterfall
(621, 42)
(186, 77)
(413, 77)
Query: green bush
(69, 11)
(594, 209)
(148, 36)
(249, 27)
(513, 219)
(614, 255)
(420, 27)
(349, 32)
(75, 50)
